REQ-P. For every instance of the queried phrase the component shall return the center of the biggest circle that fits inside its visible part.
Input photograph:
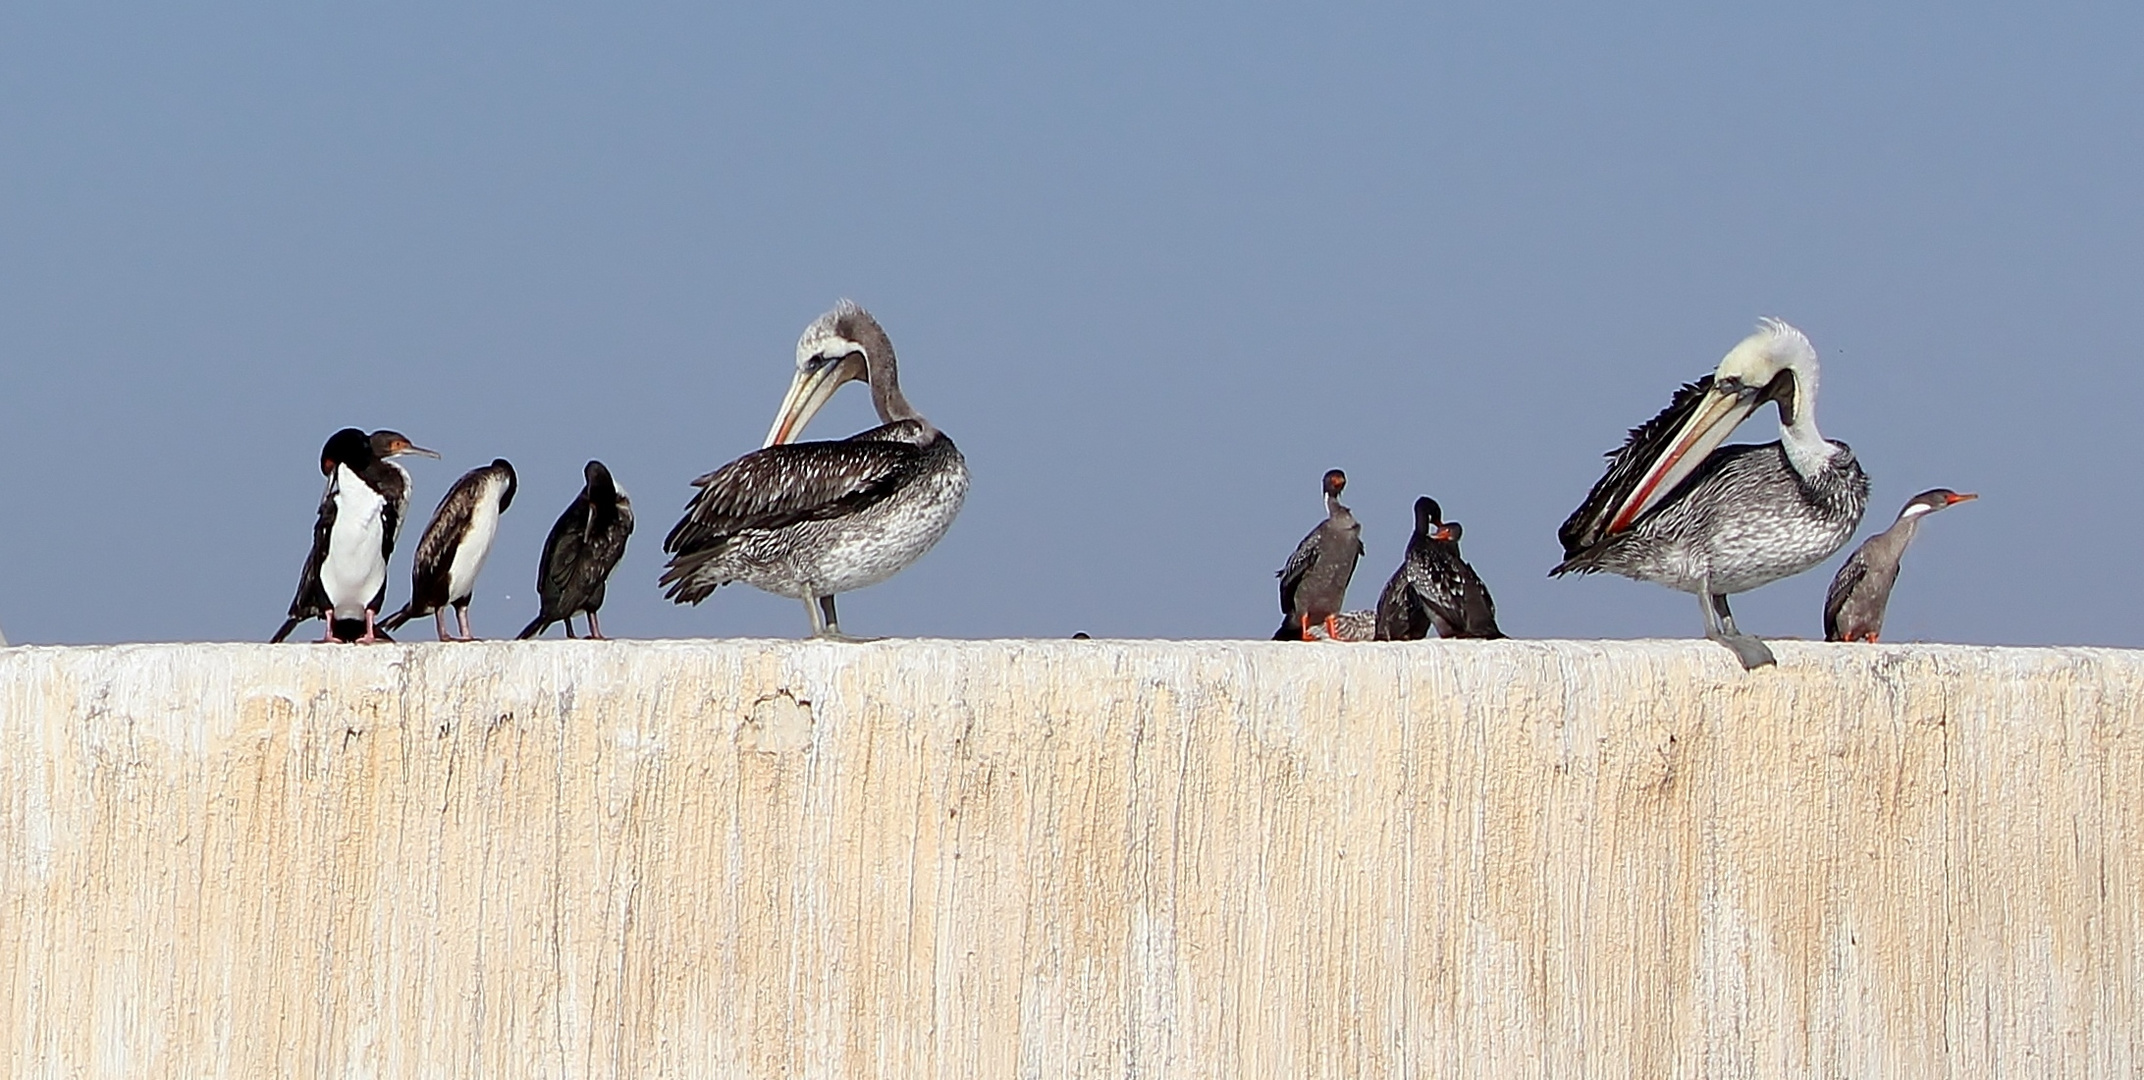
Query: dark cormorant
(1313, 584)
(584, 545)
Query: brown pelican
(1677, 508)
(1434, 587)
(452, 552)
(585, 543)
(1313, 585)
(1853, 608)
(345, 577)
(812, 519)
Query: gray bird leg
(439, 623)
(372, 635)
(595, 629)
(825, 625)
(461, 618)
(1720, 627)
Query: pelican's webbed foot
(1753, 652)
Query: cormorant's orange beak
(1954, 498)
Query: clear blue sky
(1155, 270)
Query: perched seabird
(812, 519)
(345, 577)
(584, 545)
(1678, 509)
(1434, 587)
(454, 548)
(1347, 626)
(1854, 606)
(1313, 584)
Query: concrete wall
(998, 859)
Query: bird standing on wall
(1854, 606)
(585, 543)
(1678, 509)
(454, 547)
(813, 519)
(345, 577)
(1313, 584)
(1434, 587)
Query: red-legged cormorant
(1853, 608)
(1313, 584)
(454, 548)
(812, 519)
(345, 577)
(1678, 509)
(1434, 588)
(584, 545)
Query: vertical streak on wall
(1051, 858)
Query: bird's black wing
(435, 550)
(1299, 563)
(790, 483)
(312, 597)
(1588, 524)
(1843, 584)
(1400, 614)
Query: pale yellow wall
(999, 859)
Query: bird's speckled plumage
(1434, 588)
(1677, 508)
(813, 519)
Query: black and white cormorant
(1434, 588)
(1678, 509)
(454, 548)
(1854, 606)
(585, 543)
(345, 577)
(1313, 584)
(812, 519)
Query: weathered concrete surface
(999, 859)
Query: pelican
(813, 519)
(1678, 509)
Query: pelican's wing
(1627, 466)
(790, 483)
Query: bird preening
(814, 519)
(810, 520)
(1678, 509)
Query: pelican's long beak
(1717, 416)
(809, 392)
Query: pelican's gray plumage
(1434, 588)
(813, 519)
(344, 582)
(454, 546)
(1854, 606)
(585, 543)
(1678, 509)
(1313, 583)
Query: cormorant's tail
(536, 626)
(1288, 632)
(394, 621)
(288, 625)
